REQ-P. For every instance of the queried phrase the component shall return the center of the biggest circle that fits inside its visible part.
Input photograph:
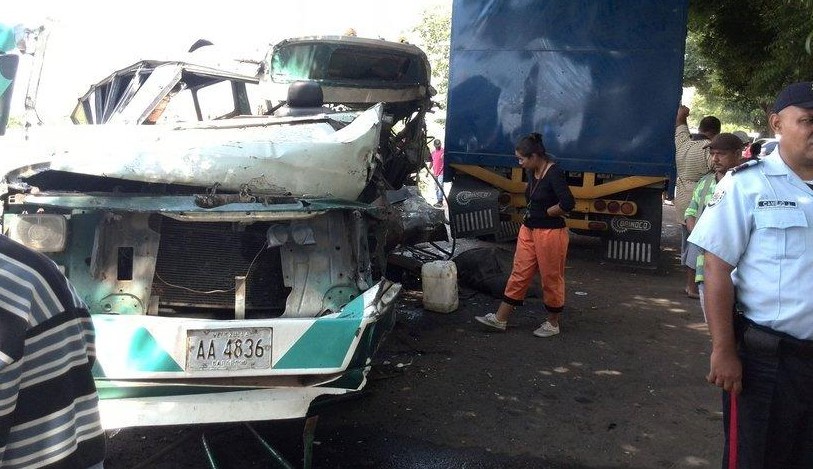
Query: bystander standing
(726, 153)
(693, 161)
(48, 403)
(757, 294)
(437, 171)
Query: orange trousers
(539, 250)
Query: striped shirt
(49, 414)
(692, 162)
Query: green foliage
(434, 31)
(731, 119)
(740, 53)
(697, 70)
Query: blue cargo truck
(600, 80)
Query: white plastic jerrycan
(439, 282)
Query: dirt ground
(622, 386)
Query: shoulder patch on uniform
(716, 197)
(748, 164)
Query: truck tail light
(613, 207)
(627, 208)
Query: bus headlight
(44, 233)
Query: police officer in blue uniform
(757, 231)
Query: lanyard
(535, 185)
(533, 189)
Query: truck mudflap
(473, 207)
(636, 240)
(171, 371)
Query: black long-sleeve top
(543, 194)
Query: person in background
(693, 161)
(740, 134)
(49, 413)
(725, 150)
(754, 150)
(542, 241)
(437, 171)
(744, 138)
(757, 294)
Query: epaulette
(748, 164)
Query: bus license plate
(228, 349)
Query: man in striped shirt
(49, 414)
(692, 161)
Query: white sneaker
(546, 330)
(491, 321)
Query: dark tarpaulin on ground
(486, 269)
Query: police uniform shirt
(759, 220)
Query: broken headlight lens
(44, 233)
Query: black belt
(757, 338)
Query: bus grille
(197, 264)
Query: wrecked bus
(229, 245)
